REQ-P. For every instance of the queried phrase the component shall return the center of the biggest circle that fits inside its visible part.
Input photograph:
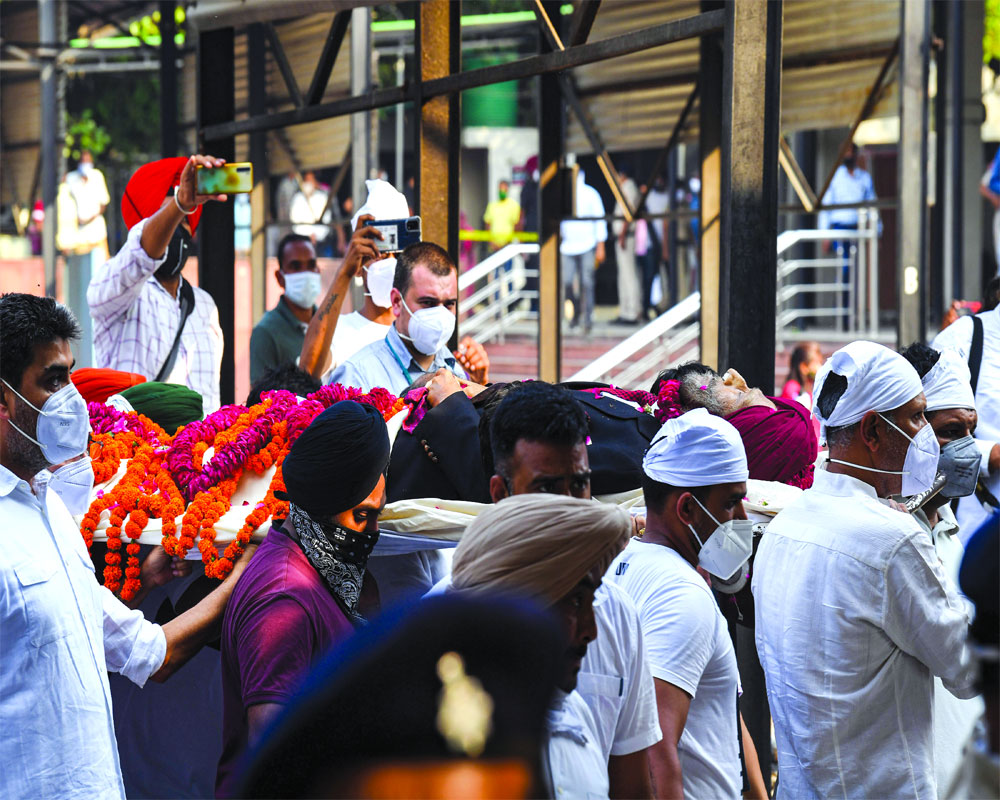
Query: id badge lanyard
(406, 372)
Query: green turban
(169, 405)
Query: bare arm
(259, 719)
(628, 776)
(672, 706)
(315, 356)
(187, 633)
(757, 790)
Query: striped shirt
(136, 319)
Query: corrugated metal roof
(832, 54)
(643, 93)
(314, 144)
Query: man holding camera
(147, 318)
(424, 299)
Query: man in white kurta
(854, 613)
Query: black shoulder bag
(187, 306)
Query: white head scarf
(878, 379)
(696, 449)
(384, 202)
(948, 383)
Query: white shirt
(954, 718)
(854, 617)
(90, 194)
(353, 332)
(136, 319)
(582, 235)
(60, 634)
(614, 678)
(688, 646)
(958, 337)
(577, 768)
(307, 214)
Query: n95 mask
(728, 548)
(63, 424)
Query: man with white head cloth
(694, 481)
(554, 550)
(854, 612)
(331, 338)
(951, 412)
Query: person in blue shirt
(424, 302)
(989, 187)
(850, 184)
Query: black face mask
(850, 161)
(177, 255)
(351, 547)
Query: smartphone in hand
(235, 178)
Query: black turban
(337, 460)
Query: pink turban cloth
(781, 445)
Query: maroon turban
(781, 445)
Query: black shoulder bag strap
(187, 306)
(976, 351)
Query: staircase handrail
(641, 338)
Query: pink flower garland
(106, 419)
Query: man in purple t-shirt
(299, 596)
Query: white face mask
(430, 328)
(74, 482)
(920, 465)
(381, 274)
(728, 548)
(86, 167)
(302, 288)
(63, 424)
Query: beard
(26, 455)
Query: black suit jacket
(441, 458)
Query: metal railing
(844, 286)
(673, 337)
(674, 331)
(499, 297)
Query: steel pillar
(912, 163)
(49, 150)
(551, 144)
(168, 79)
(710, 146)
(751, 118)
(963, 153)
(217, 253)
(361, 43)
(440, 124)
(259, 198)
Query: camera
(397, 234)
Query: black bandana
(337, 554)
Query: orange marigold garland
(162, 470)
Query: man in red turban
(147, 318)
